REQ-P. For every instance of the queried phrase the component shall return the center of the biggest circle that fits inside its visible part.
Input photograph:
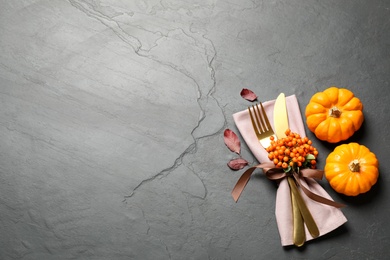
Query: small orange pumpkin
(351, 169)
(334, 115)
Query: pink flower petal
(237, 164)
(231, 140)
(248, 94)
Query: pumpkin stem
(335, 112)
(354, 166)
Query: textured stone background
(112, 119)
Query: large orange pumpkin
(351, 169)
(334, 115)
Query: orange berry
(291, 150)
(272, 137)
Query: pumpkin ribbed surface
(351, 169)
(334, 114)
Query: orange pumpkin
(351, 169)
(334, 115)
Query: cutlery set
(263, 131)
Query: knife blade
(280, 116)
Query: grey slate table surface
(112, 119)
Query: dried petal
(232, 141)
(237, 164)
(248, 94)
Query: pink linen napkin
(326, 217)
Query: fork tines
(259, 119)
(261, 124)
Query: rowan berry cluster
(293, 151)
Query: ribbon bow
(273, 173)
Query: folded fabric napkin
(327, 217)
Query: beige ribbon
(273, 173)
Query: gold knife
(307, 217)
(299, 236)
(281, 125)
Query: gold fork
(263, 131)
(261, 125)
